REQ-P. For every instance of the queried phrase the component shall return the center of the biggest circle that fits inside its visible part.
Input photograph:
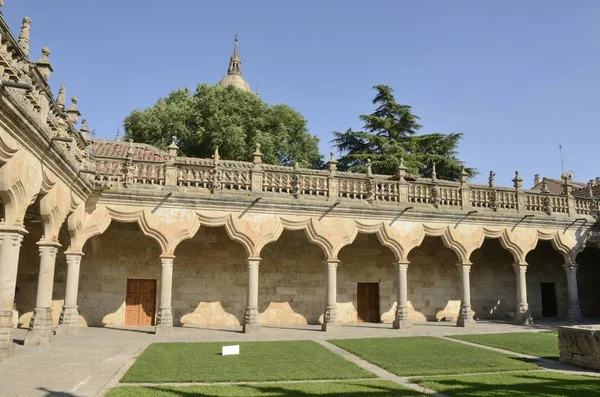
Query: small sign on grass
(230, 350)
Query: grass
(374, 388)
(542, 384)
(430, 356)
(534, 344)
(257, 362)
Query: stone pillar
(40, 329)
(330, 318)
(164, 319)
(573, 312)
(465, 317)
(522, 314)
(69, 317)
(251, 321)
(402, 319)
(9, 261)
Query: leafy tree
(390, 133)
(227, 117)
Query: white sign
(230, 350)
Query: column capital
(48, 244)
(520, 266)
(167, 256)
(9, 229)
(467, 264)
(402, 265)
(68, 253)
(571, 266)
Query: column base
(163, 329)
(251, 328)
(40, 332)
(465, 317)
(402, 319)
(331, 327)
(7, 348)
(574, 313)
(68, 322)
(523, 317)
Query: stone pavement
(81, 366)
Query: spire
(234, 71)
(24, 35)
(235, 63)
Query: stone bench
(580, 345)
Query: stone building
(111, 233)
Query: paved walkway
(81, 366)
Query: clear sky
(518, 78)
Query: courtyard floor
(95, 360)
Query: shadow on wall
(209, 314)
(588, 280)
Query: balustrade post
(465, 190)
(333, 183)
(567, 190)
(519, 194)
(171, 172)
(257, 172)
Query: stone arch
(462, 239)
(21, 180)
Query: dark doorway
(140, 304)
(549, 308)
(368, 302)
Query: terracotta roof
(585, 192)
(118, 149)
(555, 186)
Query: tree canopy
(227, 117)
(391, 133)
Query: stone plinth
(580, 345)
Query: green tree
(391, 133)
(227, 117)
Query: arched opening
(547, 291)
(291, 288)
(29, 269)
(119, 279)
(433, 282)
(493, 282)
(588, 280)
(210, 280)
(365, 279)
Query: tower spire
(235, 62)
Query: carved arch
(20, 183)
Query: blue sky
(518, 78)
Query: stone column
(522, 314)
(164, 319)
(330, 318)
(40, 329)
(68, 323)
(465, 317)
(573, 312)
(402, 319)
(251, 320)
(9, 262)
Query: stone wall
(546, 266)
(580, 345)
(588, 279)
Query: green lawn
(541, 384)
(430, 356)
(535, 344)
(340, 389)
(257, 362)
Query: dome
(235, 80)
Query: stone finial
(463, 176)
(43, 64)
(517, 181)
(215, 156)
(544, 186)
(257, 155)
(173, 148)
(401, 170)
(25, 35)
(491, 182)
(433, 173)
(130, 151)
(567, 184)
(1, 3)
(296, 166)
(85, 130)
(369, 170)
(332, 163)
(61, 97)
(72, 111)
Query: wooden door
(140, 304)
(549, 306)
(368, 302)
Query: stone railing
(221, 176)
